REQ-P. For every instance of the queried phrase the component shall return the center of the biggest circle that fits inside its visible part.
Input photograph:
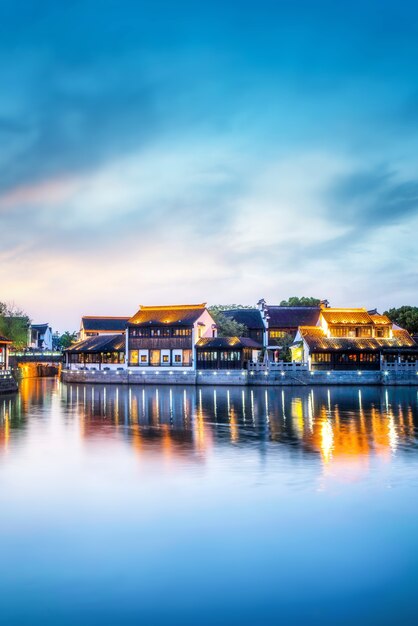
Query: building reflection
(339, 424)
(340, 427)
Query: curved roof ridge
(168, 307)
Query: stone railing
(279, 366)
(402, 367)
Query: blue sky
(157, 152)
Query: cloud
(161, 153)
(373, 198)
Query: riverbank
(408, 377)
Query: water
(208, 506)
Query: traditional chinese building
(347, 339)
(281, 323)
(92, 326)
(166, 336)
(226, 353)
(100, 352)
(4, 352)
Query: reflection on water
(207, 506)
(337, 424)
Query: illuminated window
(344, 331)
(140, 332)
(187, 357)
(177, 358)
(321, 358)
(182, 332)
(165, 358)
(144, 358)
(364, 332)
(277, 334)
(133, 357)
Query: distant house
(91, 326)
(40, 337)
(4, 352)
(226, 353)
(352, 338)
(99, 352)
(166, 336)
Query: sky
(158, 152)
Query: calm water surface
(208, 506)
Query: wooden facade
(166, 336)
(226, 353)
(100, 352)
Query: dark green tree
(304, 301)
(405, 317)
(14, 324)
(285, 353)
(66, 340)
(227, 327)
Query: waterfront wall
(7, 382)
(233, 378)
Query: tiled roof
(113, 324)
(181, 315)
(4, 340)
(312, 330)
(402, 335)
(346, 316)
(292, 316)
(100, 343)
(380, 319)
(251, 318)
(228, 342)
(318, 341)
(42, 328)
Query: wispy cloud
(183, 151)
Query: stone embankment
(233, 378)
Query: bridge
(32, 363)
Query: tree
(304, 301)
(66, 340)
(227, 327)
(14, 324)
(405, 317)
(284, 350)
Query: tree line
(15, 323)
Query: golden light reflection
(297, 415)
(327, 440)
(346, 430)
(233, 424)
